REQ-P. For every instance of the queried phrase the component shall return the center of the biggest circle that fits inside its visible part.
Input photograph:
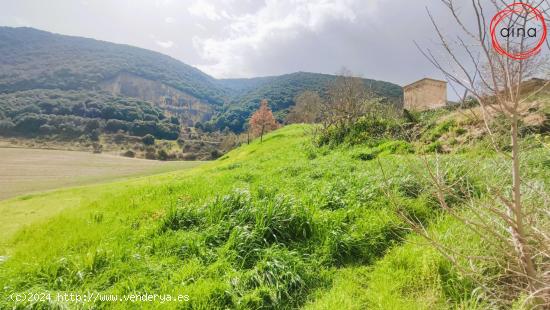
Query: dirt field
(24, 171)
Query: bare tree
(348, 100)
(307, 108)
(470, 62)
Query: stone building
(425, 94)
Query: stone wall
(425, 94)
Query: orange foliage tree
(262, 121)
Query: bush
(129, 153)
(114, 125)
(97, 148)
(363, 131)
(386, 148)
(150, 153)
(215, 154)
(148, 139)
(94, 135)
(119, 137)
(163, 155)
(30, 123)
(6, 126)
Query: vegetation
(281, 92)
(28, 171)
(72, 114)
(262, 121)
(518, 243)
(53, 61)
(307, 109)
(342, 213)
(277, 224)
(38, 60)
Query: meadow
(278, 224)
(29, 173)
(26, 171)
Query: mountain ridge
(35, 59)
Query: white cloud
(204, 9)
(274, 24)
(21, 22)
(163, 3)
(165, 44)
(169, 20)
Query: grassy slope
(346, 252)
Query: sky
(248, 38)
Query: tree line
(71, 114)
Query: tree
(148, 139)
(510, 224)
(307, 108)
(348, 100)
(262, 121)
(6, 126)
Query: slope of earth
(281, 91)
(278, 224)
(34, 59)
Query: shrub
(215, 154)
(434, 147)
(362, 131)
(129, 153)
(6, 126)
(114, 125)
(148, 139)
(163, 155)
(189, 156)
(94, 135)
(150, 153)
(97, 148)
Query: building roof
(424, 80)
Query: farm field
(24, 171)
(28, 172)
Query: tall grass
(275, 224)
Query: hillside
(281, 92)
(277, 224)
(32, 59)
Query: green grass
(278, 224)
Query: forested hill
(32, 59)
(281, 91)
(287, 86)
